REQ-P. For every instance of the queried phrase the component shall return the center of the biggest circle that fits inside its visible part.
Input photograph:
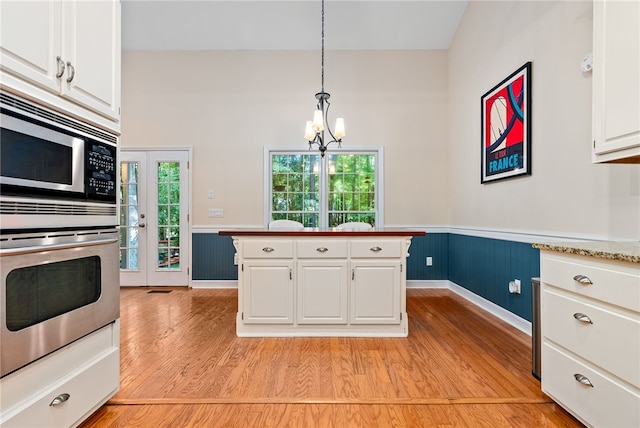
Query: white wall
(422, 106)
(229, 105)
(566, 194)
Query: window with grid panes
(324, 192)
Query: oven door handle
(55, 247)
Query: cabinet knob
(61, 67)
(267, 249)
(59, 399)
(581, 279)
(582, 318)
(583, 379)
(375, 249)
(322, 249)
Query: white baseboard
(509, 317)
(214, 284)
(427, 283)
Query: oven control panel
(100, 174)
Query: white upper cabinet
(32, 57)
(70, 48)
(616, 81)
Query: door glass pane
(129, 191)
(168, 209)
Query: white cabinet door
(70, 48)
(267, 292)
(322, 292)
(92, 53)
(375, 292)
(30, 40)
(616, 86)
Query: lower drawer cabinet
(268, 249)
(79, 391)
(592, 331)
(598, 400)
(362, 248)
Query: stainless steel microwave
(48, 155)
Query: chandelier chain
(322, 49)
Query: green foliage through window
(168, 214)
(297, 191)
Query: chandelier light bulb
(339, 129)
(309, 133)
(318, 121)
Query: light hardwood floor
(183, 366)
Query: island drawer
(267, 249)
(324, 249)
(617, 283)
(376, 248)
(594, 332)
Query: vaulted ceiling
(288, 25)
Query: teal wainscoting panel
(485, 266)
(434, 245)
(213, 257)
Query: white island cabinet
(322, 283)
(590, 314)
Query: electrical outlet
(216, 212)
(211, 194)
(515, 287)
(429, 261)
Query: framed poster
(506, 127)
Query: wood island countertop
(311, 232)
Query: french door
(154, 218)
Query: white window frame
(324, 187)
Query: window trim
(324, 202)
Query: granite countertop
(613, 250)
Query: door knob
(141, 225)
(141, 215)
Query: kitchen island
(316, 282)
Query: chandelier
(314, 130)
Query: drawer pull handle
(375, 249)
(582, 317)
(59, 399)
(322, 249)
(268, 249)
(583, 379)
(584, 280)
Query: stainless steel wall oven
(58, 231)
